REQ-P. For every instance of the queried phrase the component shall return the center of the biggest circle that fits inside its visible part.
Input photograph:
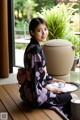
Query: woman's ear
(31, 32)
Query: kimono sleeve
(38, 66)
(39, 74)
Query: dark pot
(76, 61)
(75, 109)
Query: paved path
(19, 54)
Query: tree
(44, 3)
(29, 9)
(23, 10)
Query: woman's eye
(38, 30)
(45, 29)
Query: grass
(20, 46)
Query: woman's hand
(54, 90)
(57, 89)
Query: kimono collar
(34, 41)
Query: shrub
(58, 20)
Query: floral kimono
(33, 89)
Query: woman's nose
(43, 32)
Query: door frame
(11, 40)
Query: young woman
(35, 89)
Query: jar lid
(58, 42)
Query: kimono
(33, 89)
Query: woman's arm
(54, 90)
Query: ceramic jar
(59, 55)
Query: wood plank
(31, 114)
(11, 107)
(52, 114)
(10, 97)
(3, 110)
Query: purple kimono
(33, 90)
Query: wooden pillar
(4, 61)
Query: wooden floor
(13, 106)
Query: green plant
(57, 24)
(75, 40)
(58, 20)
(20, 46)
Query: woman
(36, 90)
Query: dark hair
(35, 22)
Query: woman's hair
(35, 22)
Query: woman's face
(40, 33)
